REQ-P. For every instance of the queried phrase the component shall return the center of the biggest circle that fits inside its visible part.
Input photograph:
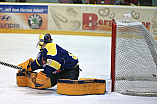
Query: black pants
(72, 74)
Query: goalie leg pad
(81, 87)
(34, 80)
(42, 81)
(21, 80)
(31, 80)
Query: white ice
(94, 59)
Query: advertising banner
(98, 18)
(23, 17)
(66, 18)
(74, 18)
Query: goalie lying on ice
(56, 62)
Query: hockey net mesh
(135, 59)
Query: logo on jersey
(5, 18)
(35, 21)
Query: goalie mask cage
(133, 59)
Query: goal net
(133, 59)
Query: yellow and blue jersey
(53, 57)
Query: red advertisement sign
(91, 22)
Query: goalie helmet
(44, 38)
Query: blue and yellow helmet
(44, 38)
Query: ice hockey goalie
(55, 61)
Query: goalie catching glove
(26, 66)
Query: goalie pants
(72, 74)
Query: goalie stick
(10, 65)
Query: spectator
(120, 2)
(92, 1)
(20, 1)
(2, 0)
(140, 2)
(64, 1)
(131, 2)
(127, 2)
(77, 1)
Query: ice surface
(94, 59)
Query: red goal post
(133, 59)
(113, 43)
